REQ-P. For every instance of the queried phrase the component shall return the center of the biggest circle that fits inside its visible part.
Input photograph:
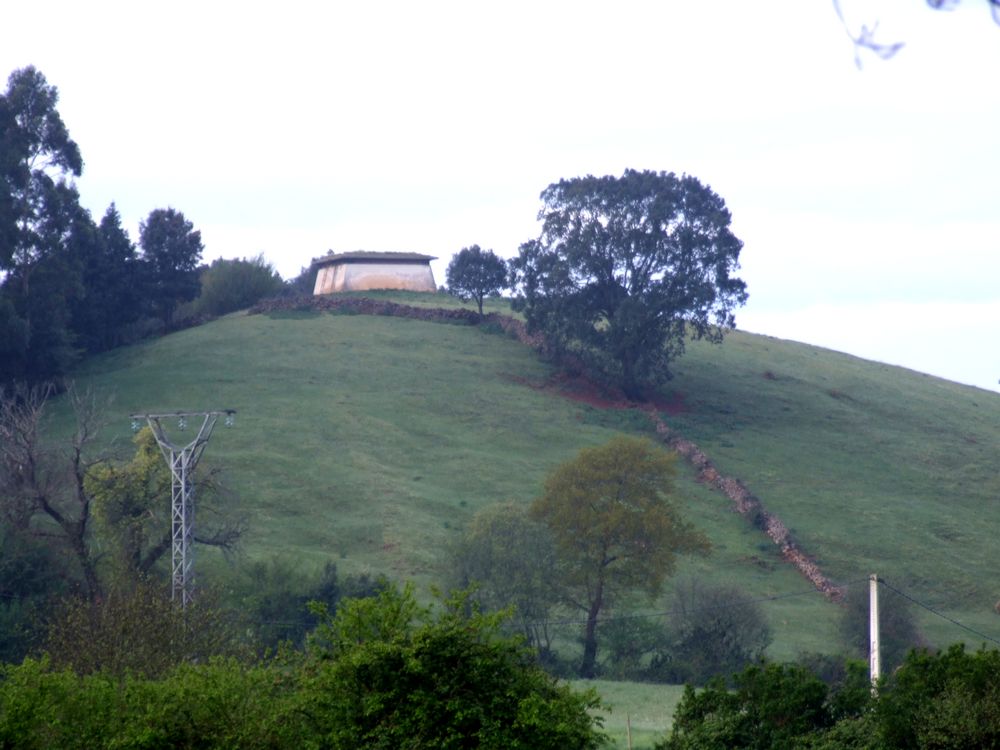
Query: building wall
(353, 277)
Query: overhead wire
(935, 612)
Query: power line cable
(935, 612)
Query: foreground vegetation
(382, 672)
(949, 699)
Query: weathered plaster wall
(353, 277)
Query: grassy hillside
(371, 441)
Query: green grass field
(635, 709)
(371, 441)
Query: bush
(29, 581)
(272, 597)
(715, 631)
(229, 285)
(945, 700)
(385, 673)
(773, 706)
(629, 645)
(218, 704)
(137, 630)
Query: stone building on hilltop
(359, 271)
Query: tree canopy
(625, 268)
(171, 248)
(475, 274)
(614, 526)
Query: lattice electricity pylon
(182, 461)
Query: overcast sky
(866, 199)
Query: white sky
(866, 199)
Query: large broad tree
(475, 274)
(171, 251)
(615, 529)
(626, 268)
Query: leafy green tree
(43, 229)
(229, 285)
(171, 250)
(387, 673)
(713, 631)
(44, 288)
(13, 340)
(39, 209)
(508, 558)
(476, 274)
(303, 284)
(625, 268)
(130, 505)
(615, 528)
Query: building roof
(364, 256)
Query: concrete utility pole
(874, 657)
(182, 461)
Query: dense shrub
(772, 706)
(229, 285)
(945, 700)
(385, 673)
(218, 704)
(137, 629)
(714, 631)
(382, 673)
(272, 597)
(933, 701)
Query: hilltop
(372, 440)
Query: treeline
(72, 286)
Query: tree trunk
(587, 667)
(630, 385)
